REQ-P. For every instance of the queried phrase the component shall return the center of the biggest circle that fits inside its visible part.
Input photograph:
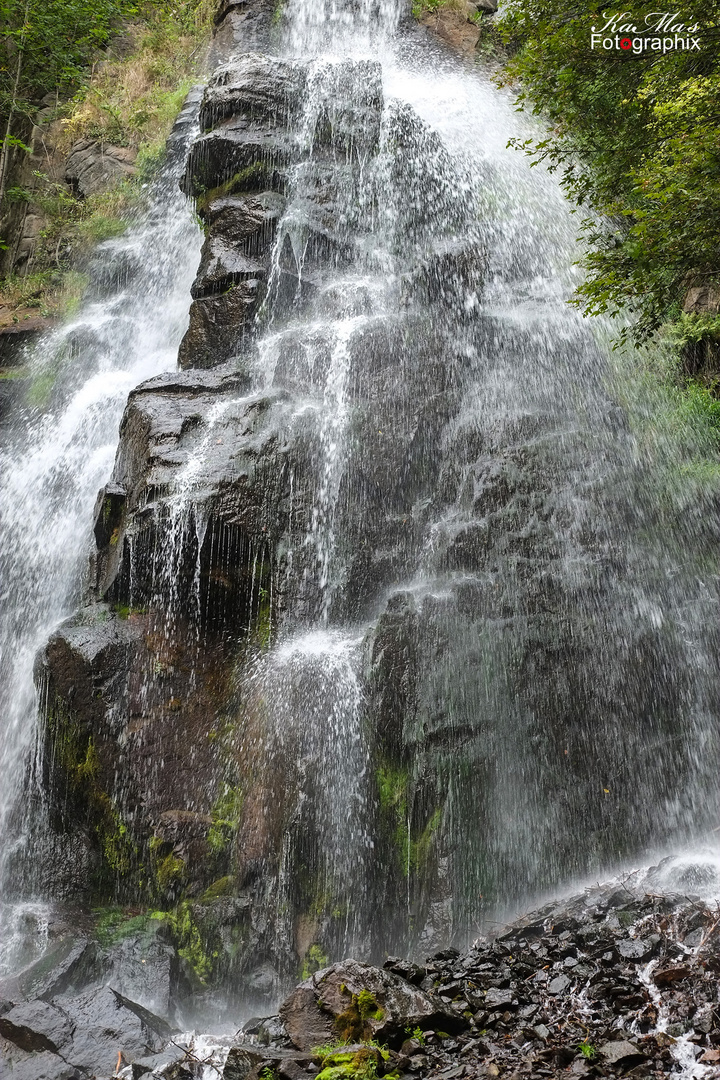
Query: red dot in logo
(625, 43)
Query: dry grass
(131, 99)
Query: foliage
(353, 1024)
(225, 819)
(315, 960)
(170, 872)
(119, 71)
(79, 789)
(339, 1063)
(191, 947)
(49, 45)
(637, 140)
(326, 1049)
(43, 292)
(421, 8)
(114, 924)
(412, 845)
(56, 43)
(587, 1050)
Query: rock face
(369, 606)
(93, 166)
(79, 1037)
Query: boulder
(68, 963)
(94, 166)
(106, 1024)
(246, 1058)
(262, 89)
(621, 1052)
(351, 1000)
(702, 300)
(37, 1026)
(41, 1066)
(218, 324)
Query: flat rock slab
(621, 1052)
(36, 1026)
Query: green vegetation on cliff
(636, 136)
(110, 71)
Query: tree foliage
(637, 140)
(53, 43)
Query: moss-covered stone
(79, 792)
(353, 1024)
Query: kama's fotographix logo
(658, 31)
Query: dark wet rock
(635, 949)
(37, 1026)
(42, 1066)
(221, 267)
(105, 1024)
(558, 985)
(551, 1035)
(143, 966)
(69, 962)
(244, 1059)
(218, 324)
(234, 159)
(668, 975)
(412, 973)
(305, 1022)
(247, 221)
(621, 1052)
(259, 88)
(79, 1036)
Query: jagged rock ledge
(621, 980)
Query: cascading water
(53, 463)
(420, 617)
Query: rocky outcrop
(82, 1036)
(93, 166)
(618, 980)
(702, 300)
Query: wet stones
(36, 1026)
(482, 1013)
(533, 1019)
(218, 324)
(77, 1037)
(237, 170)
(261, 89)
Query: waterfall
(54, 460)
(422, 617)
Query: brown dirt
(454, 28)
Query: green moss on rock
(353, 1024)
(80, 793)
